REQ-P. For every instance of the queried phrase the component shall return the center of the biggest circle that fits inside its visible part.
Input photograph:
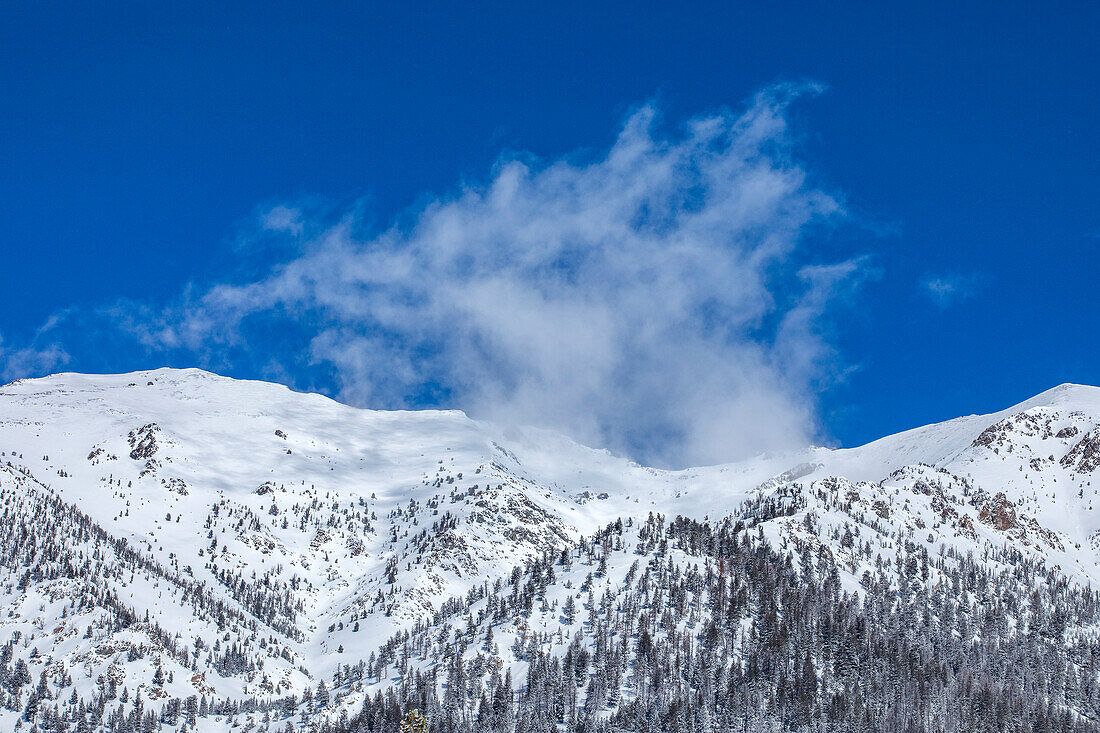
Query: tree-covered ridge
(662, 625)
(715, 630)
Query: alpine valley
(183, 551)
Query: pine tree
(414, 722)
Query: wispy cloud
(282, 219)
(946, 290)
(646, 300)
(20, 361)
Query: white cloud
(635, 301)
(649, 300)
(16, 362)
(946, 290)
(282, 220)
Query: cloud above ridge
(651, 299)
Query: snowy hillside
(194, 550)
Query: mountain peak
(1067, 393)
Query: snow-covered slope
(247, 541)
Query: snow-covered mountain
(188, 540)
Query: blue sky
(163, 167)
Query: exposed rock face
(1085, 456)
(988, 436)
(999, 513)
(143, 442)
(1025, 423)
(966, 527)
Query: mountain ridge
(302, 534)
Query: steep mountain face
(185, 549)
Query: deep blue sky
(136, 137)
